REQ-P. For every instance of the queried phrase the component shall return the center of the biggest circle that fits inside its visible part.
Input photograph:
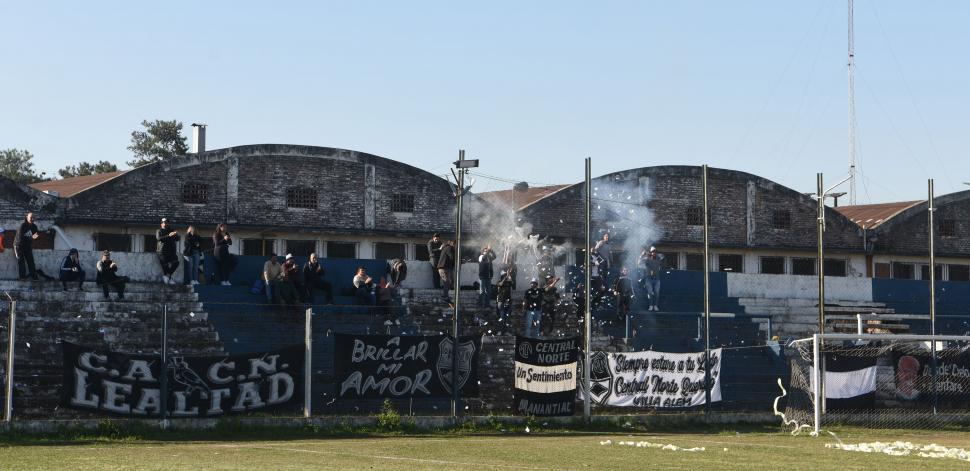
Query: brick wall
(248, 186)
(741, 209)
(907, 233)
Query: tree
(16, 165)
(160, 140)
(85, 168)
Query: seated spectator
(289, 278)
(314, 277)
(108, 276)
(365, 287)
(272, 270)
(71, 270)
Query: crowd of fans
(288, 283)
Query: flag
(850, 382)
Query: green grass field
(562, 450)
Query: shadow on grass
(116, 432)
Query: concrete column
(749, 212)
(370, 196)
(232, 189)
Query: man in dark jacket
(532, 305)
(167, 248)
(623, 290)
(485, 273)
(71, 270)
(314, 277)
(503, 301)
(434, 254)
(446, 269)
(550, 299)
(23, 248)
(108, 276)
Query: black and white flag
(545, 376)
(850, 382)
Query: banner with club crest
(652, 379)
(197, 386)
(545, 376)
(404, 365)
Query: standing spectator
(653, 265)
(485, 274)
(167, 252)
(272, 271)
(446, 269)
(604, 249)
(397, 273)
(314, 277)
(550, 299)
(221, 240)
(23, 248)
(434, 254)
(532, 305)
(108, 276)
(289, 278)
(623, 289)
(71, 270)
(503, 300)
(193, 254)
(365, 287)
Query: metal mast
(852, 192)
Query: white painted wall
(752, 285)
(137, 266)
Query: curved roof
(257, 150)
(919, 208)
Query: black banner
(914, 376)
(545, 376)
(210, 386)
(403, 366)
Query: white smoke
(621, 208)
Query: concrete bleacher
(48, 315)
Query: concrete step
(42, 308)
(90, 293)
(133, 287)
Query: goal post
(879, 380)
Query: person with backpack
(27, 233)
(71, 270)
(485, 274)
(167, 240)
(193, 254)
(532, 305)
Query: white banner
(545, 379)
(652, 379)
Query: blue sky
(530, 88)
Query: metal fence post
(11, 338)
(307, 366)
(163, 384)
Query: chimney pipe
(198, 138)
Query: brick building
(756, 225)
(283, 198)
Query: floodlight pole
(821, 254)
(931, 208)
(163, 369)
(587, 315)
(462, 165)
(707, 300)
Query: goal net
(879, 380)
